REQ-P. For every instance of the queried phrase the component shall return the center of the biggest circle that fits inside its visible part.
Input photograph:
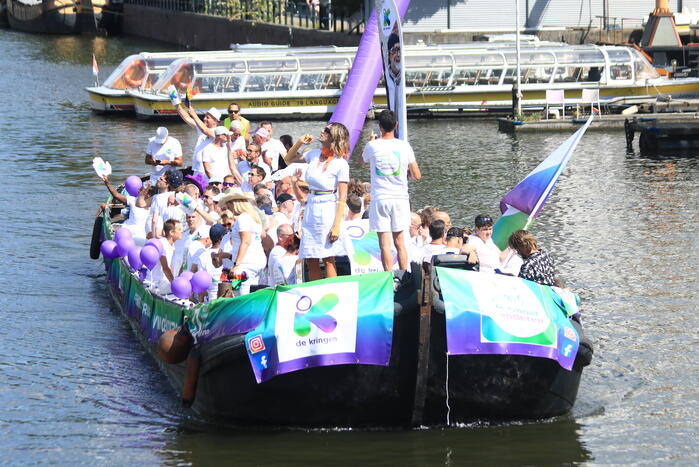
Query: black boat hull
(492, 387)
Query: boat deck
(604, 122)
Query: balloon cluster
(189, 282)
(143, 259)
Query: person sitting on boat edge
(162, 272)
(538, 265)
(163, 151)
(139, 207)
(204, 129)
(438, 243)
(392, 161)
(327, 176)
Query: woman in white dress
(246, 251)
(327, 176)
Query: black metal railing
(287, 12)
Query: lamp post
(516, 87)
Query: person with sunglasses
(235, 115)
(327, 176)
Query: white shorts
(389, 215)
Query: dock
(602, 122)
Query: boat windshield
(135, 71)
(642, 67)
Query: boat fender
(133, 71)
(96, 238)
(174, 345)
(191, 378)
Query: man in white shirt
(162, 272)
(216, 158)
(283, 232)
(272, 149)
(251, 159)
(179, 258)
(255, 176)
(392, 161)
(159, 205)
(437, 246)
(163, 152)
(204, 129)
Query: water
(76, 387)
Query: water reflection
(548, 443)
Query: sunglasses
(326, 130)
(227, 184)
(207, 197)
(484, 220)
(231, 111)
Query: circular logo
(304, 303)
(355, 231)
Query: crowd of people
(252, 207)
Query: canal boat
(51, 16)
(467, 79)
(139, 72)
(415, 383)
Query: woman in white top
(246, 251)
(327, 176)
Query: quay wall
(205, 32)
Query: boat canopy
(138, 71)
(449, 66)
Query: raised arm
(200, 124)
(115, 194)
(292, 155)
(233, 163)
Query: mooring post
(423, 350)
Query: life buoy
(183, 78)
(135, 74)
(96, 235)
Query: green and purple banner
(497, 314)
(341, 320)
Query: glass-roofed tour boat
(442, 79)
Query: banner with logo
(229, 316)
(166, 316)
(334, 321)
(497, 314)
(362, 247)
(391, 37)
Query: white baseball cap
(160, 135)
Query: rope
(447, 390)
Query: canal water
(76, 387)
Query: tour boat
(446, 79)
(221, 375)
(51, 16)
(139, 72)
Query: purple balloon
(150, 256)
(201, 281)
(187, 275)
(134, 257)
(124, 246)
(122, 234)
(181, 287)
(108, 249)
(157, 244)
(133, 184)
